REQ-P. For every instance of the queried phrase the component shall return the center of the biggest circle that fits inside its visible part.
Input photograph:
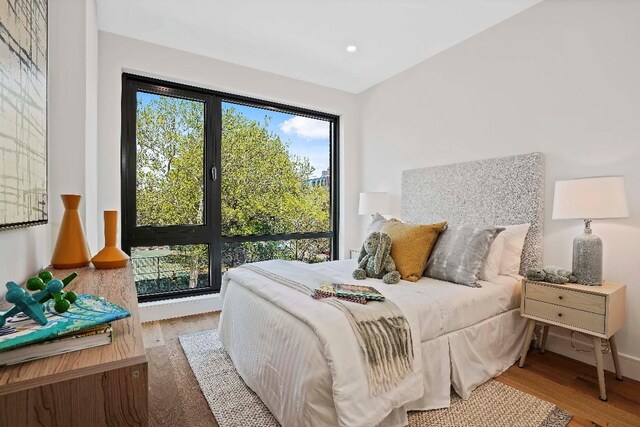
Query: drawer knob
(560, 297)
(559, 314)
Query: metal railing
(167, 273)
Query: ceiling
(307, 39)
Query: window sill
(179, 307)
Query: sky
(307, 137)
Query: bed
(298, 356)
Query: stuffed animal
(375, 259)
(551, 274)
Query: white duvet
(442, 307)
(432, 308)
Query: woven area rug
(492, 404)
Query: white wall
(118, 54)
(72, 111)
(22, 253)
(71, 135)
(93, 219)
(562, 78)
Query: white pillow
(491, 268)
(513, 241)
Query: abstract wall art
(23, 113)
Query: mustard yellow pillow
(411, 245)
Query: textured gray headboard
(501, 191)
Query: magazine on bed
(354, 293)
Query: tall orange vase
(111, 256)
(72, 250)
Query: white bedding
(442, 306)
(265, 331)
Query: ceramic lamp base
(587, 258)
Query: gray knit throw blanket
(381, 329)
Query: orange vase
(111, 256)
(72, 250)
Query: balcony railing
(160, 271)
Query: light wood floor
(176, 399)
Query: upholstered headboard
(501, 191)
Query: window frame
(210, 231)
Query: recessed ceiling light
(351, 48)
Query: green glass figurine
(24, 303)
(45, 288)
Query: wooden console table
(99, 386)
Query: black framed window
(212, 180)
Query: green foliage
(170, 137)
(264, 188)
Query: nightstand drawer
(567, 297)
(565, 315)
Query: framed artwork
(23, 113)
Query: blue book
(88, 313)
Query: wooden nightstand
(597, 311)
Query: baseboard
(179, 307)
(561, 344)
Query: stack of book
(354, 293)
(86, 324)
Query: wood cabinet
(106, 385)
(597, 311)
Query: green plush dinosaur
(375, 259)
(551, 274)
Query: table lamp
(588, 199)
(373, 202)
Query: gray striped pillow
(460, 253)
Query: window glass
(169, 160)
(275, 172)
(171, 268)
(307, 250)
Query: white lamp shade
(371, 203)
(590, 198)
